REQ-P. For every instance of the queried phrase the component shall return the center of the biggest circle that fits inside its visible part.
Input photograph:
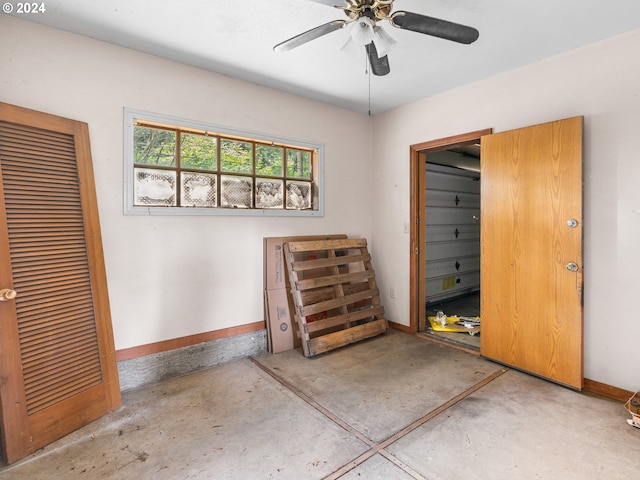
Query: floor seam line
(401, 465)
(372, 446)
(376, 447)
(442, 408)
(306, 398)
(346, 468)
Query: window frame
(131, 116)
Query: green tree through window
(269, 160)
(198, 151)
(153, 146)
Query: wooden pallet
(334, 291)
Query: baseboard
(168, 345)
(606, 390)
(400, 327)
(142, 370)
(150, 363)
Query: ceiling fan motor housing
(373, 9)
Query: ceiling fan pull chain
(369, 80)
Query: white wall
(176, 276)
(600, 82)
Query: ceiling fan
(364, 16)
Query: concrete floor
(393, 407)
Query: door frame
(417, 242)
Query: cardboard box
(275, 268)
(282, 328)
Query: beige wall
(176, 276)
(600, 82)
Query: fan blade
(435, 27)
(379, 65)
(310, 35)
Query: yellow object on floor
(455, 324)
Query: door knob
(7, 294)
(572, 267)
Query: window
(174, 166)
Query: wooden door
(57, 358)
(531, 253)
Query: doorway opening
(445, 209)
(452, 218)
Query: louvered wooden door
(57, 358)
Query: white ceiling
(236, 38)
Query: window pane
(298, 195)
(236, 156)
(269, 160)
(154, 187)
(153, 146)
(198, 151)
(298, 163)
(198, 190)
(269, 193)
(236, 191)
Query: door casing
(417, 266)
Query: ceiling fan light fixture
(383, 41)
(353, 49)
(362, 31)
